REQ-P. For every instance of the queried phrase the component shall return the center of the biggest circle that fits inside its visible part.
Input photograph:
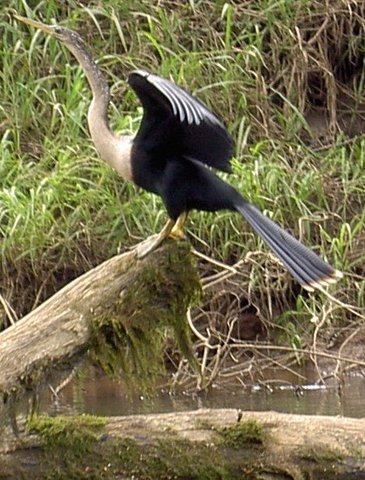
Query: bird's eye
(58, 30)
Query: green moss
(75, 435)
(168, 459)
(73, 448)
(320, 454)
(76, 448)
(131, 334)
(242, 434)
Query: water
(102, 396)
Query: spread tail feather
(305, 266)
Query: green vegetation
(72, 435)
(242, 434)
(269, 68)
(87, 447)
(130, 336)
(171, 458)
(321, 455)
(79, 447)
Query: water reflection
(102, 396)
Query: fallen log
(116, 313)
(190, 445)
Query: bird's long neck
(113, 149)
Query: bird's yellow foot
(177, 231)
(177, 234)
(151, 243)
(172, 229)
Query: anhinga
(178, 140)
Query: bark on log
(117, 311)
(196, 445)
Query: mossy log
(198, 445)
(117, 313)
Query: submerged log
(117, 313)
(190, 445)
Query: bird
(179, 144)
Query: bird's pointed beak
(42, 26)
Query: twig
(282, 366)
(343, 345)
(10, 312)
(195, 331)
(314, 343)
(346, 306)
(213, 261)
(299, 350)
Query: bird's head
(64, 35)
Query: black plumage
(175, 122)
(179, 138)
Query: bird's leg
(177, 231)
(171, 229)
(153, 242)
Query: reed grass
(257, 63)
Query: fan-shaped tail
(305, 266)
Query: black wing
(179, 124)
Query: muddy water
(102, 396)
